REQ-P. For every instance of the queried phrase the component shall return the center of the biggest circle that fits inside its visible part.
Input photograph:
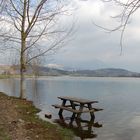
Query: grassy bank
(18, 120)
(2, 76)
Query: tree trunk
(22, 85)
(22, 70)
(23, 55)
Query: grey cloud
(93, 48)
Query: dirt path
(19, 122)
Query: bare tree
(31, 28)
(128, 8)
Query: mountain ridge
(47, 71)
(105, 72)
(109, 72)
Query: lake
(119, 97)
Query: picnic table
(77, 106)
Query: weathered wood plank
(66, 108)
(78, 100)
(76, 111)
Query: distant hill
(42, 71)
(108, 72)
(47, 71)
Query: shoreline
(71, 76)
(19, 120)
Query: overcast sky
(92, 47)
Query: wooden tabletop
(78, 100)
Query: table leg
(72, 119)
(61, 110)
(78, 122)
(80, 109)
(73, 107)
(90, 125)
(91, 113)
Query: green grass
(33, 124)
(66, 133)
(3, 76)
(3, 135)
(29, 109)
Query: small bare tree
(31, 27)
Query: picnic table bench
(77, 106)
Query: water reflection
(81, 128)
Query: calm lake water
(119, 97)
